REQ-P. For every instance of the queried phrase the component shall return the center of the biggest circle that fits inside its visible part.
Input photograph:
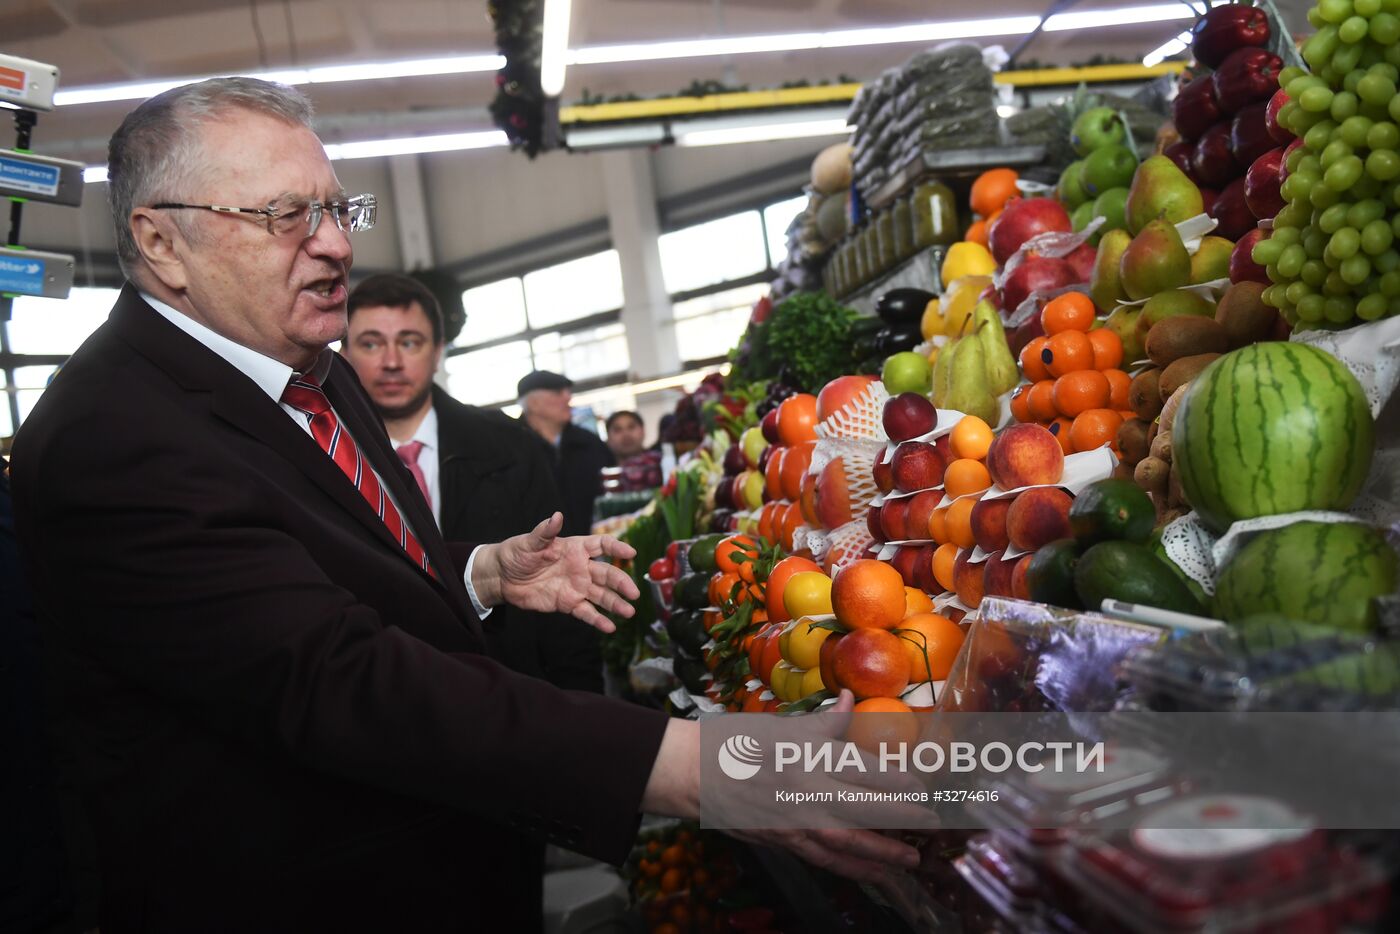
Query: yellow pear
(932, 321)
(959, 299)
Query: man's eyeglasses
(289, 216)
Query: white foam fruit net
(843, 546)
(858, 459)
(861, 418)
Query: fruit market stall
(1131, 446)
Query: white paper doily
(1371, 351)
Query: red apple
(1283, 163)
(769, 427)
(1243, 268)
(1225, 28)
(1247, 75)
(1025, 333)
(909, 415)
(1195, 109)
(1261, 184)
(1232, 212)
(1081, 260)
(1281, 136)
(917, 466)
(1213, 161)
(1208, 196)
(1180, 153)
(1022, 220)
(1249, 134)
(1035, 274)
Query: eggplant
(903, 306)
(898, 337)
(867, 345)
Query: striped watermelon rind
(1317, 572)
(1269, 429)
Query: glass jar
(870, 245)
(903, 230)
(884, 240)
(934, 215)
(859, 269)
(839, 253)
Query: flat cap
(542, 379)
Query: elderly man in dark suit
(272, 663)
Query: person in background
(626, 434)
(579, 454)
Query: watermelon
(1269, 429)
(1318, 572)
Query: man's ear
(161, 246)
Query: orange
(1094, 429)
(728, 549)
(1108, 349)
(932, 643)
(769, 657)
(916, 601)
(1041, 401)
(721, 586)
(797, 419)
(977, 232)
(1020, 408)
(970, 437)
(1118, 383)
(965, 476)
(1031, 363)
(773, 473)
(960, 522)
(871, 663)
(938, 523)
(992, 189)
(777, 583)
(1073, 311)
(1068, 352)
(1060, 429)
(1080, 391)
(897, 726)
(869, 594)
(943, 560)
(673, 880)
(795, 463)
(790, 521)
(766, 515)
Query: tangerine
(868, 594)
(1118, 383)
(1072, 311)
(916, 601)
(1095, 428)
(1060, 428)
(871, 663)
(797, 419)
(1031, 363)
(943, 561)
(1080, 391)
(1041, 401)
(1068, 352)
(964, 476)
(960, 522)
(1020, 407)
(795, 463)
(938, 525)
(892, 724)
(672, 880)
(1108, 349)
(992, 189)
(721, 588)
(971, 437)
(732, 547)
(778, 579)
(932, 643)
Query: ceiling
(110, 41)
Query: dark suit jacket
(578, 464)
(496, 478)
(283, 724)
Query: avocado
(693, 591)
(1112, 510)
(687, 630)
(1050, 575)
(1132, 573)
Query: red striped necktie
(304, 394)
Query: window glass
(7, 426)
(484, 377)
(776, 218)
(582, 355)
(713, 252)
(58, 326)
(496, 309)
(576, 289)
(710, 325)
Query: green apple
(1070, 190)
(1112, 207)
(752, 443)
(907, 372)
(1081, 216)
(1108, 167)
(1095, 128)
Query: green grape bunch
(1334, 253)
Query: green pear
(968, 388)
(1002, 374)
(1110, 206)
(942, 366)
(1170, 304)
(1070, 189)
(1123, 322)
(1212, 260)
(1161, 191)
(1104, 287)
(1155, 261)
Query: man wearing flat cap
(579, 454)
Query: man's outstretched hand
(542, 572)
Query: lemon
(805, 644)
(808, 593)
(967, 259)
(959, 298)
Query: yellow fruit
(805, 644)
(812, 682)
(967, 259)
(780, 680)
(933, 356)
(932, 321)
(808, 593)
(959, 299)
(785, 643)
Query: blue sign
(35, 178)
(22, 276)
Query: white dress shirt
(272, 377)
(427, 435)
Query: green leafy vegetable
(808, 334)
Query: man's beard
(390, 413)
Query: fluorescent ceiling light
(94, 173)
(606, 137)
(660, 51)
(1006, 110)
(554, 46)
(1166, 50)
(763, 132)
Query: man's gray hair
(155, 154)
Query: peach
(989, 523)
(903, 562)
(997, 575)
(871, 663)
(884, 476)
(1038, 517)
(1019, 589)
(809, 500)
(1025, 455)
(923, 571)
(893, 519)
(872, 522)
(917, 465)
(833, 496)
(968, 580)
(921, 507)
